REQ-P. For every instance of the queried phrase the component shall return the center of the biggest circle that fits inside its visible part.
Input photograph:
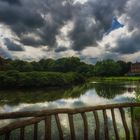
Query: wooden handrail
(34, 117)
(114, 125)
(14, 115)
(20, 124)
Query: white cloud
(63, 38)
(79, 1)
(85, 23)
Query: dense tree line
(111, 68)
(71, 64)
(16, 79)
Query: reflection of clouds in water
(2, 109)
(90, 98)
(132, 86)
(125, 97)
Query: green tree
(69, 64)
(46, 64)
(125, 67)
(5, 64)
(36, 66)
(107, 68)
(22, 66)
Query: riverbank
(109, 79)
(15, 79)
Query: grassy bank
(123, 78)
(15, 79)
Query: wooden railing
(35, 117)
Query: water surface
(90, 94)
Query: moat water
(90, 94)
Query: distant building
(135, 69)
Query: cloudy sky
(36, 29)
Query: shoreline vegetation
(67, 71)
(62, 73)
(15, 79)
(115, 79)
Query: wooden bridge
(34, 117)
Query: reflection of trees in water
(137, 110)
(109, 90)
(138, 94)
(34, 96)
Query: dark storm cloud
(91, 20)
(131, 44)
(86, 32)
(31, 42)
(128, 45)
(12, 1)
(132, 11)
(20, 19)
(11, 46)
(61, 49)
(46, 17)
(57, 16)
(33, 18)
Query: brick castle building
(135, 68)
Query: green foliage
(41, 94)
(123, 78)
(36, 66)
(15, 79)
(109, 90)
(137, 110)
(107, 68)
(125, 67)
(111, 68)
(46, 65)
(22, 66)
(69, 64)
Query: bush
(17, 79)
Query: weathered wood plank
(114, 125)
(106, 132)
(132, 123)
(97, 130)
(35, 131)
(85, 126)
(22, 133)
(70, 111)
(72, 129)
(59, 127)
(138, 128)
(19, 124)
(127, 132)
(48, 128)
(7, 136)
